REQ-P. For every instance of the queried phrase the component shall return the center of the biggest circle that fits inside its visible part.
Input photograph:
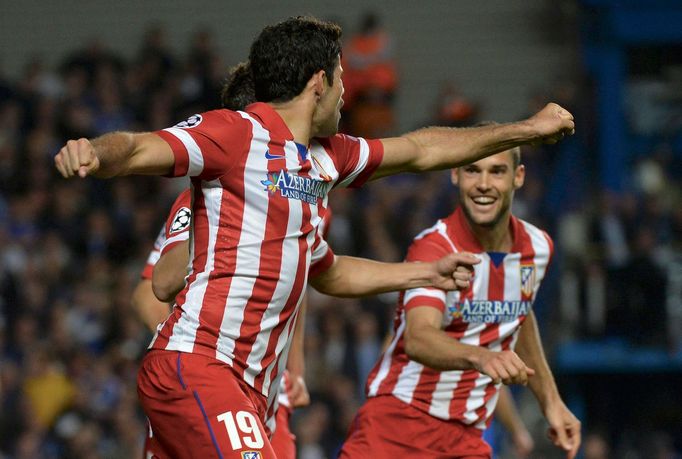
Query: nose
(483, 182)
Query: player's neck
(297, 114)
(496, 238)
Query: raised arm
(354, 277)
(117, 153)
(428, 344)
(564, 427)
(441, 148)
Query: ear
(317, 81)
(454, 178)
(519, 176)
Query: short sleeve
(154, 255)
(179, 222)
(322, 256)
(355, 158)
(207, 145)
(426, 249)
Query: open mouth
(484, 200)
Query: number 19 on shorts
(242, 428)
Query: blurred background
(71, 251)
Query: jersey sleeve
(355, 158)
(154, 255)
(179, 222)
(322, 256)
(207, 145)
(426, 249)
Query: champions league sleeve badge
(181, 220)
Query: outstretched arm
(428, 344)
(442, 148)
(353, 277)
(564, 427)
(117, 153)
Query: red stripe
(231, 215)
(527, 252)
(270, 259)
(398, 361)
(200, 236)
(290, 307)
(179, 151)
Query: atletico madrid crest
(251, 455)
(527, 280)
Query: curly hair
(286, 55)
(238, 91)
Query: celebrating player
(260, 183)
(433, 391)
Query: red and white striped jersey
(174, 231)
(488, 314)
(258, 198)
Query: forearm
(125, 153)
(442, 147)
(506, 412)
(529, 348)
(435, 349)
(354, 277)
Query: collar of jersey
(460, 232)
(270, 120)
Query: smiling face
(486, 189)
(328, 111)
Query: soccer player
(260, 182)
(432, 392)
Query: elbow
(413, 347)
(163, 289)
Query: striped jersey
(257, 199)
(174, 231)
(487, 314)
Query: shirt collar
(460, 231)
(270, 119)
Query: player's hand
(503, 367)
(298, 392)
(564, 428)
(552, 123)
(454, 271)
(77, 157)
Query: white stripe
(153, 257)
(171, 240)
(185, 330)
(442, 394)
(407, 381)
(363, 159)
(287, 275)
(423, 291)
(196, 157)
(386, 359)
(248, 248)
(542, 253)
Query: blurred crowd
(71, 251)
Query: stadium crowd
(69, 350)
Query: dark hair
(286, 55)
(238, 90)
(515, 151)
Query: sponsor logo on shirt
(190, 122)
(293, 186)
(181, 221)
(269, 155)
(251, 455)
(489, 311)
